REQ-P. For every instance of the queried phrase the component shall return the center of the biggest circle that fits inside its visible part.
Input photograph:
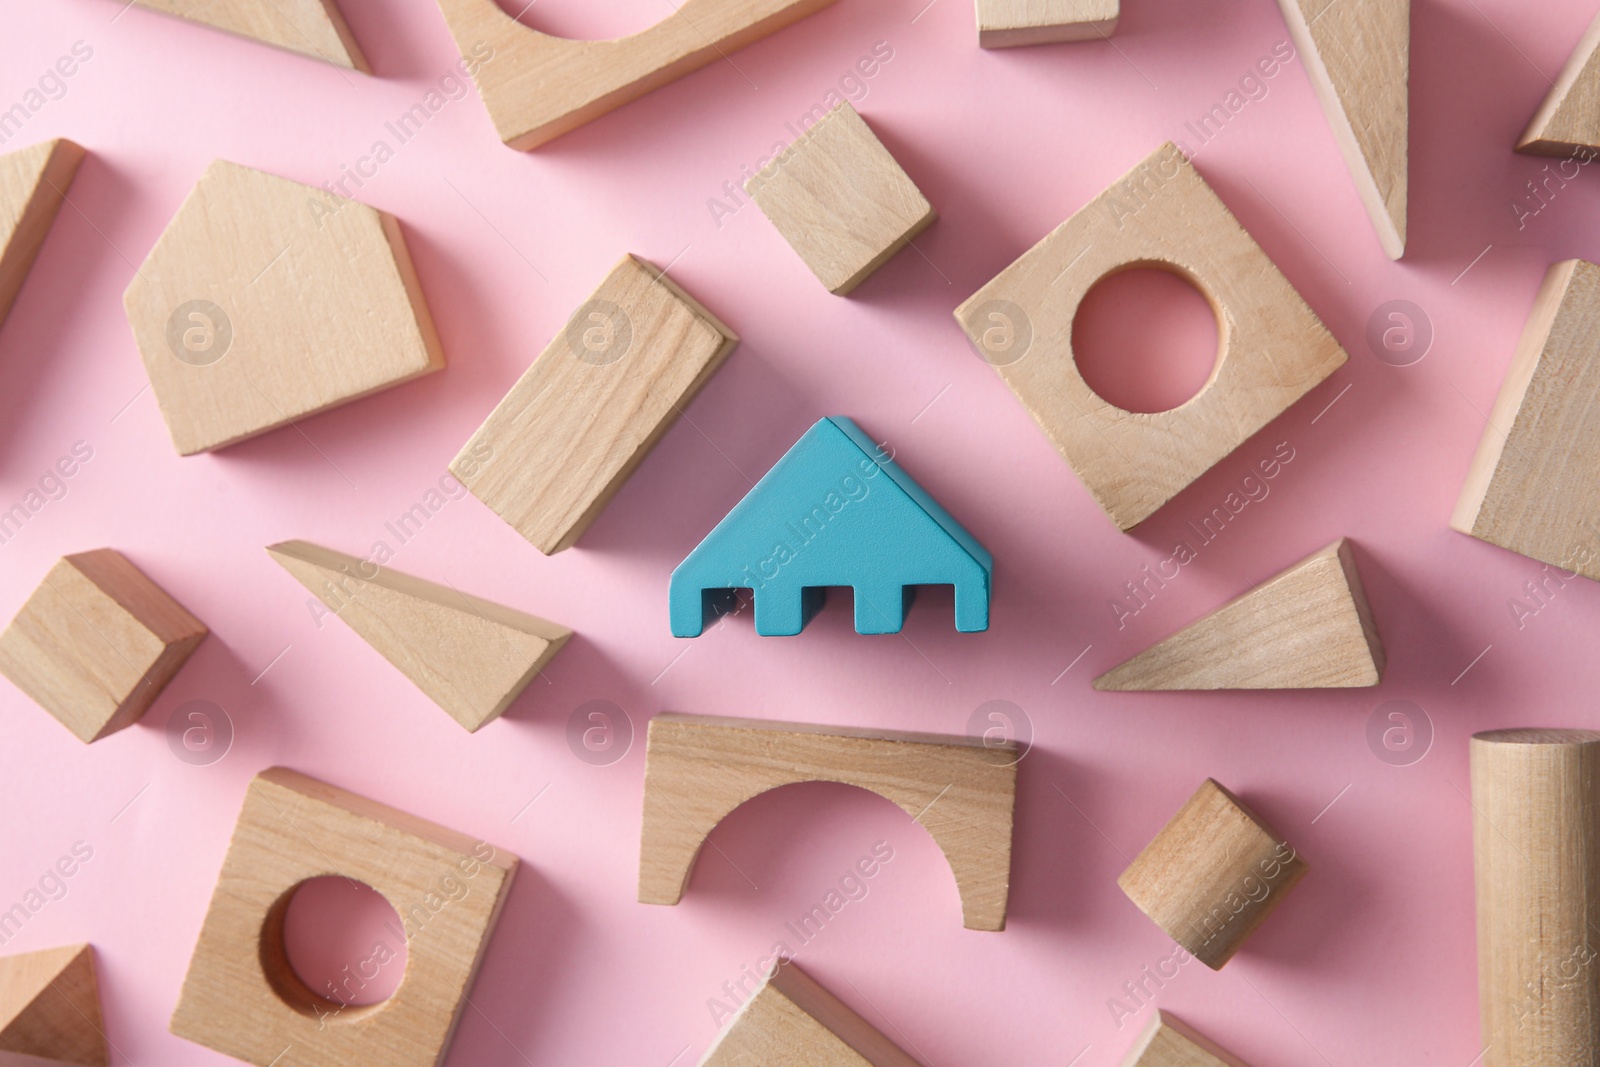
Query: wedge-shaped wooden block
(1569, 118)
(266, 301)
(1008, 23)
(792, 1021)
(538, 87)
(1308, 627)
(97, 642)
(1168, 1042)
(699, 768)
(566, 437)
(242, 997)
(1531, 486)
(1212, 875)
(1272, 349)
(470, 656)
(33, 186)
(840, 200)
(50, 1009)
(313, 28)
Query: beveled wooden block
(33, 186)
(313, 28)
(50, 1009)
(1009, 23)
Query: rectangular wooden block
(1009, 23)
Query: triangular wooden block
(1358, 54)
(312, 28)
(50, 1008)
(33, 184)
(1166, 1042)
(470, 656)
(1306, 628)
(792, 1021)
(1569, 118)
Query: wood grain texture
(97, 642)
(539, 87)
(698, 769)
(1569, 117)
(50, 1009)
(266, 301)
(1168, 1042)
(1531, 487)
(242, 998)
(1272, 349)
(314, 28)
(1308, 627)
(33, 186)
(471, 656)
(840, 200)
(1010, 23)
(1212, 875)
(572, 429)
(1536, 847)
(793, 1021)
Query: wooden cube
(97, 642)
(840, 200)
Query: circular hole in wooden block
(1146, 339)
(584, 20)
(333, 948)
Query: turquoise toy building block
(833, 511)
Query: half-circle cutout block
(699, 768)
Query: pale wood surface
(1536, 846)
(1531, 486)
(313, 28)
(242, 998)
(1569, 117)
(1212, 875)
(1169, 1042)
(572, 429)
(840, 200)
(1272, 349)
(97, 642)
(1308, 627)
(1009, 23)
(321, 296)
(538, 87)
(50, 1009)
(469, 655)
(698, 769)
(33, 186)
(1358, 56)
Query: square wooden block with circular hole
(241, 996)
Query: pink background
(1370, 960)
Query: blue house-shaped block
(833, 511)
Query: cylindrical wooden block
(1536, 843)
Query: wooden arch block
(1531, 487)
(1358, 56)
(1272, 349)
(50, 1009)
(1008, 23)
(538, 87)
(1569, 118)
(1308, 627)
(266, 301)
(314, 28)
(698, 769)
(1212, 875)
(241, 996)
(578, 422)
(792, 1021)
(97, 642)
(33, 186)
(1168, 1042)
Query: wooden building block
(33, 186)
(539, 87)
(1272, 349)
(470, 656)
(840, 200)
(1536, 807)
(266, 301)
(1569, 118)
(242, 997)
(1212, 875)
(823, 517)
(1530, 487)
(566, 437)
(700, 768)
(97, 642)
(1168, 1042)
(1358, 56)
(792, 1021)
(1008, 23)
(50, 1009)
(1308, 627)
(314, 28)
